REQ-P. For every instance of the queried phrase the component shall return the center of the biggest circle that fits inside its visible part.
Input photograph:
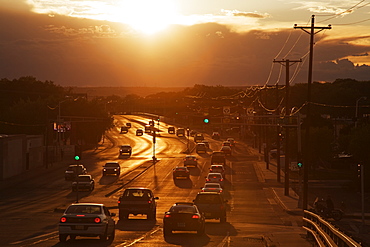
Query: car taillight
(97, 220)
(207, 179)
(149, 201)
(63, 220)
(195, 216)
(221, 179)
(167, 216)
(119, 202)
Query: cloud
(254, 14)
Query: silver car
(87, 220)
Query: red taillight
(221, 179)
(149, 202)
(195, 216)
(119, 202)
(97, 220)
(63, 220)
(167, 216)
(220, 190)
(207, 179)
(80, 215)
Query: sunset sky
(169, 43)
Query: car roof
(214, 174)
(190, 156)
(138, 188)
(181, 168)
(86, 203)
(225, 147)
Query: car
(217, 168)
(215, 177)
(180, 132)
(171, 130)
(226, 150)
(201, 148)
(181, 172)
(212, 187)
(226, 143)
(231, 140)
(212, 204)
(87, 220)
(183, 216)
(206, 143)
(139, 132)
(125, 150)
(137, 200)
(128, 125)
(124, 129)
(148, 129)
(111, 168)
(215, 135)
(218, 157)
(151, 122)
(198, 137)
(83, 182)
(73, 171)
(190, 161)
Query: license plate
(181, 224)
(80, 227)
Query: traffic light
(300, 164)
(206, 120)
(77, 157)
(78, 152)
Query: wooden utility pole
(287, 64)
(307, 153)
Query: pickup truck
(137, 201)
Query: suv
(190, 161)
(136, 201)
(218, 158)
(73, 171)
(180, 132)
(125, 150)
(212, 204)
(139, 132)
(111, 168)
(83, 182)
(87, 220)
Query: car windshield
(83, 179)
(85, 209)
(183, 210)
(111, 165)
(137, 194)
(208, 199)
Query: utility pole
(287, 64)
(307, 153)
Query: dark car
(215, 135)
(111, 168)
(181, 172)
(73, 171)
(212, 204)
(171, 130)
(218, 158)
(125, 151)
(83, 182)
(87, 220)
(137, 201)
(183, 216)
(201, 148)
(198, 137)
(190, 161)
(139, 132)
(128, 125)
(124, 129)
(180, 132)
(226, 150)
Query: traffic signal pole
(307, 153)
(287, 63)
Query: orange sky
(73, 51)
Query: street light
(356, 114)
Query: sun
(147, 16)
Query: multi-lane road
(31, 209)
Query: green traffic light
(77, 157)
(206, 120)
(300, 164)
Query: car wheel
(112, 236)
(62, 237)
(104, 237)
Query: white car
(215, 177)
(87, 220)
(212, 187)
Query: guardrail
(325, 233)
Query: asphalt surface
(359, 229)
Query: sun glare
(147, 16)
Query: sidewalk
(352, 218)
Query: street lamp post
(356, 113)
